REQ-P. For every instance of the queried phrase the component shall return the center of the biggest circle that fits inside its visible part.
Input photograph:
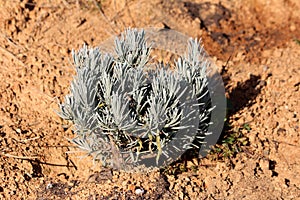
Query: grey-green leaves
(128, 112)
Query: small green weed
(297, 41)
(231, 144)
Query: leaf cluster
(123, 107)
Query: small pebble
(266, 68)
(49, 186)
(139, 191)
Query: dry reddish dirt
(255, 45)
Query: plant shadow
(231, 140)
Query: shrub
(128, 110)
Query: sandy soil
(256, 47)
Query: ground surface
(254, 43)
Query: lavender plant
(126, 109)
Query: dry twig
(19, 157)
